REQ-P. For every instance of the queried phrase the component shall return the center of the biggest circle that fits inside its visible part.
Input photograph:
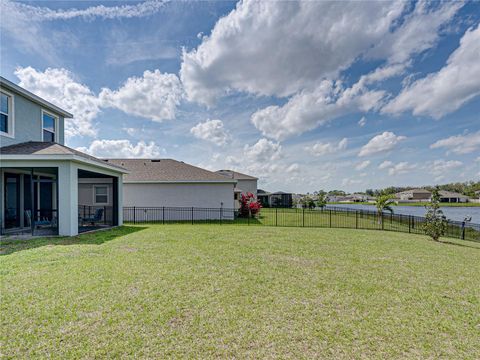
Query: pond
(453, 213)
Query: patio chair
(42, 222)
(97, 217)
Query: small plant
(435, 223)
(249, 205)
(383, 203)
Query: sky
(304, 95)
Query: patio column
(67, 199)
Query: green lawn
(230, 291)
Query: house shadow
(11, 245)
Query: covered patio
(50, 189)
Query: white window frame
(95, 195)
(11, 116)
(56, 124)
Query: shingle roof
(235, 175)
(48, 148)
(451, 194)
(166, 170)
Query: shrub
(435, 223)
(249, 205)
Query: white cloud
(419, 31)
(309, 109)
(401, 168)
(362, 122)
(362, 165)
(142, 9)
(442, 167)
(263, 151)
(318, 40)
(381, 143)
(211, 130)
(448, 89)
(319, 148)
(60, 88)
(154, 96)
(386, 164)
(459, 144)
(122, 149)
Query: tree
(435, 223)
(307, 202)
(383, 203)
(321, 200)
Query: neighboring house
(263, 197)
(245, 184)
(169, 183)
(452, 197)
(41, 179)
(414, 195)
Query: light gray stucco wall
(86, 191)
(205, 195)
(28, 122)
(247, 186)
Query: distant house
(414, 195)
(172, 183)
(452, 197)
(277, 199)
(245, 183)
(263, 197)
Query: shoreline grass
(228, 291)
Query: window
(101, 194)
(6, 114)
(49, 127)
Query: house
(278, 199)
(263, 197)
(414, 195)
(41, 178)
(158, 183)
(245, 184)
(452, 197)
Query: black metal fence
(328, 218)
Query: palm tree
(382, 204)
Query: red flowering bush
(249, 206)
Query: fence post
(221, 214)
(134, 216)
(105, 215)
(463, 230)
(382, 221)
(192, 215)
(330, 218)
(356, 219)
(276, 216)
(163, 215)
(409, 224)
(303, 217)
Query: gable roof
(235, 175)
(47, 150)
(451, 194)
(8, 85)
(166, 171)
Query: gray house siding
(28, 122)
(86, 191)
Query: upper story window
(49, 127)
(6, 114)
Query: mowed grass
(229, 291)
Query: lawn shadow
(12, 245)
(461, 245)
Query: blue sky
(306, 96)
